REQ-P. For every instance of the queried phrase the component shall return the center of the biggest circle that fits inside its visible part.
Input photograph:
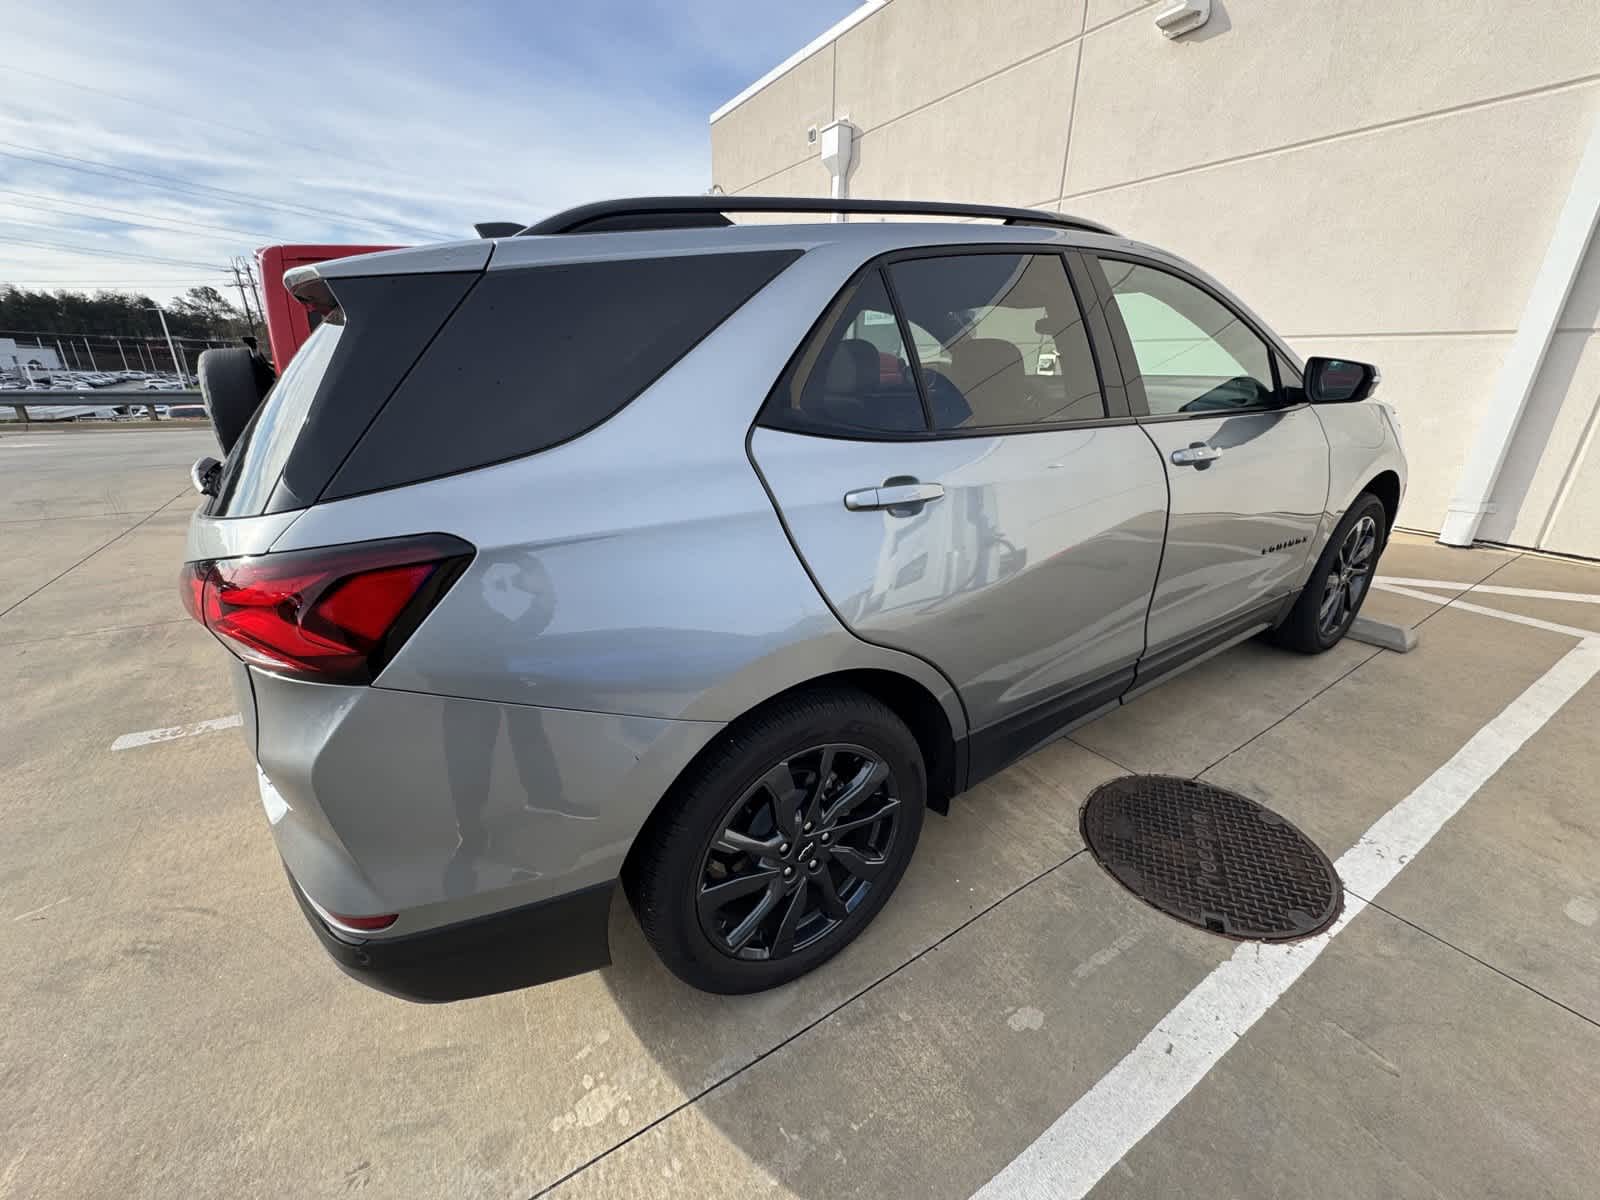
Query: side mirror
(1339, 380)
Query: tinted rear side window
(257, 461)
(537, 356)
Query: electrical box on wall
(1183, 17)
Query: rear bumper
(518, 948)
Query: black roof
(681, 212)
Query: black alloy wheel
(798, 851)
(781, 842)
(1348, 578)
(1339, 582)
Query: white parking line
(1468, 606)
(1490, 589)
(1111, 1118)
(149, 737)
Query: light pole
(183, 376)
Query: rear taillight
(334, 615)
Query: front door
(952, 479)
(1248, 472)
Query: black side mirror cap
(1339, 380)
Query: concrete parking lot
(1014, 1024)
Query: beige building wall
(1377, 179)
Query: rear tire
(1339, 582)
(805, 816)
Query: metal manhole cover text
(1211, 857)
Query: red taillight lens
(336, 615)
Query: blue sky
(144, 144)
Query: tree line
(201, 312)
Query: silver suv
(649, 548)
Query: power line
(55, 201)
(176, 112)
(127, 256)
(76, 230)
(205, 191)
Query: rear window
(264, 446)
(537, 356)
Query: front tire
(1339, 582)
(779, 847)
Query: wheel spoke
(813, 809)
(783, 941)
(1364, 547)
(866, 782)
(828, 894)
(740, 934)
(861, 865)
(1330, 604)
(780, 782)
(715, 898)
(742, 843)
(844, 827)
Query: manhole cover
(1211, 857)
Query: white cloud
(361, 124)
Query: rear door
(944, 457)
(1246, 458)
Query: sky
(143, 145)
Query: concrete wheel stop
(1400, 638)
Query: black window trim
(772, 414)
(1123, 344)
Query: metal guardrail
(99, 398)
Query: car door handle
(891, 496)
(1195, 454)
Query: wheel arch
(1385, 485)
(910, 700)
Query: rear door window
(857, 375)
(1000, 340)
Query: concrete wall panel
(1001, 141)
(767, 133)
(915, 51)
(1434, 226)
(1264, 73)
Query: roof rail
(699, 212)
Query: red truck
(289, 323)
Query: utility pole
(265, 336)
(249, 316)
(172, 348)
(255, 290)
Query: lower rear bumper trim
(518, 948)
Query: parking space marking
(149, 737)
(1113, 1116)
(1468, 606)
(1489, 589)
